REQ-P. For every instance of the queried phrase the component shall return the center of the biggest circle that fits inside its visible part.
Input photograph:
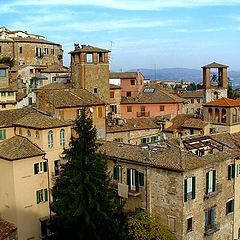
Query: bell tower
(90, 70)
(215, 82)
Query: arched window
(215, 95)
(224, 115)
(217, 115)
(210, 115)
(62, 138)
(234, 115)
(28, 133)
(50, 139)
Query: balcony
(143, 114)
(212, 194)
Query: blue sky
(139, 33)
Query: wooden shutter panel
(46, 194)
(226, 208)
(233, 170)
(213, 217)
(128, 178)
(36, 168)
(45, 166)
(229, 172)
(185, 190)
(38, 197)
(207, 182)
(232, 205)
(206, 220)
(193, 187)
(141, 179)
(214, 180)
(115, 172)
(137, 180)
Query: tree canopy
(85, 206)
(143, 226)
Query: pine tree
(85, 206)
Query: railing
(143, 114)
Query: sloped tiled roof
(114, 86)
(54, 86)
(6, 228)
(55, 69)
(172, 157)
(34, 40)
(177, 122)
(194, 123)
(72, 98)
(215, 65)
(119, 75)
(191, 94)
(157, 96)
(224, 102)
(135, 124)
(18, 147)
(40, 121)
(89, 48)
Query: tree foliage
(84, 204)
(143, 226)
(7, 61)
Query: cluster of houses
(173, 153)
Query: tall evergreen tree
(85, 206)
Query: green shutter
(227, 208)
(36, 168)
(137, 180)
(185, 190)
(207, 182)
(233, 170)
(229, 172)
(38, 197)
(232, 205)
(214, 180)
(141, 179)
(206, 220)
(115, 172)
(128, 178)
(45, 166)
(213, 217)
(46, 194)
(193, 187)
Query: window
(38, 52)
(62, 137)
(148, 90)
(209, 219)
(132, 82)
(37, 134)
(3, 105)
(113, 108)
(20, 50)
(50, 139)
(117, 173)
(100, 112)
(128, 94)
(238, 169)
(2, 134)
(189, 189)
(57, 167)
(28, 133)
(161, 108)
(189, 224)
(211, 181)
(42, 195)
(3, 73)
(89, 57)
(100, 57)
(198, 100)
(172, 223)
(230, 206)
(118, 140)
(192, 100)
(40, 167)
(231, 171)
(129, 108)
(3, 94)
(45, 50)
(95, 90)
(134, 179)
(10, 93)
(111, 94)
(52, 51)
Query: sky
(151, 34)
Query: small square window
(189, 224)
(89, 57)
(129, 108)
(95, 90)
(112, 94)
(161, 108)
(129, 94)
(132, 82)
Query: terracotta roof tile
(6, 228)
(177, 122)
(215, 65)
(224, 102)
(55, 69)
(54, 86)
(194, 123)
(191, 94)
(20, 147)
(114, 86)
(89, 48)
(119, 75)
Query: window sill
(134, 193)
(211, 231)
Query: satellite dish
(91, 109)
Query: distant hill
(187, 74)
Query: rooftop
(215, 65)
(20, 147)
(114, 86)
(88, 49)
(191, 94)
(224, 102)
(119, 75)
(55, 69)
(6, 228)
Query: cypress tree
(85, 206)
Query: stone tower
(90, 70)
(215, 82)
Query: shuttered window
(117, 173)
(230, 206)
(209, 219)
(210, 181)
(42, 195)
(134, 179)
(231, 171)
(189, 188)
(40, 167)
